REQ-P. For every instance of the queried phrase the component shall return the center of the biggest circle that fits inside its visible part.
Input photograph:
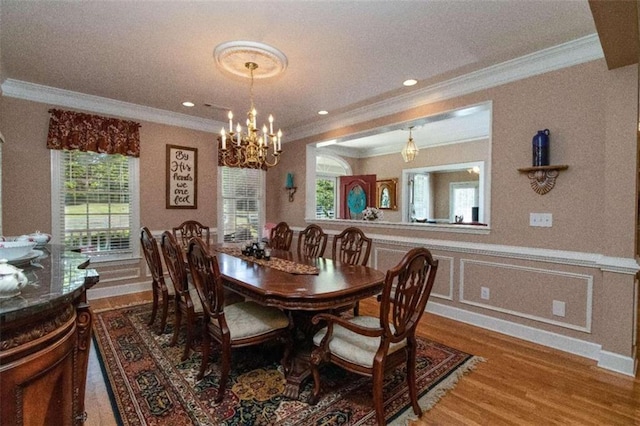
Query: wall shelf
(291, 190)
(543, 178)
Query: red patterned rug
(151, 386)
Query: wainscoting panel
(528, 292)
(109, 275)
(387, 258)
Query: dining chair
(281, 236)
(312, 241)
(371, 346)
(353, 247)
(187, 301)
(189, 229)
(244, 323)
(162, 289)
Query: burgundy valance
(86, 132)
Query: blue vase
(541, 148)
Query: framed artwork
(182, 177)
(386, 194)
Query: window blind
(96, 202)
(242, 203)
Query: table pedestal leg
(299, 370)
(299, 366)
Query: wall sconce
(289, 186)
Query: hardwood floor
(520, 383)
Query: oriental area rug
(150, 385)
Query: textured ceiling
(340, 53)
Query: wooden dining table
(302, 295)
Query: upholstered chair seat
(357, 348)
(249, 319)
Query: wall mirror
(447, 184)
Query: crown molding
(564, 55)
(97, 104)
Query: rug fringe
(428, 401)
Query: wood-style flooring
(520, 383)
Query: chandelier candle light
(251, 148)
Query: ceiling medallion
(233, 56)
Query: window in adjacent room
(242, 204)
(420, 197)
(95, 203)
(328, 170)
(463, 196)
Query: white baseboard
(616, 362)
(607, 360)
(101, 293)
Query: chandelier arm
(276, 158)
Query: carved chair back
(312, 242)
(352, 246)
(281, 236)
(174, 259)
(205, 274)
(189, 229)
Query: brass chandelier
(253, 148)
(410, 150)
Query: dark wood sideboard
(45, 337)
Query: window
(463, 196)
(325, 197)
(420, 197)
(241, 206)
(328, 170)
(437, 194)
(95, 203)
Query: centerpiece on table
(371, 214)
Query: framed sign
(182, 177)
(386, 194)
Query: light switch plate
(544, 220)
(558, 308)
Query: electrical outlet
(484, 293)
(558, 308)
(541, 219)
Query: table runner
(283, 265)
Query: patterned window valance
(232, 154)
(85, 132)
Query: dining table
(300, 286)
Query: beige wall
(590, 112)
(27, 177)
(592, 115)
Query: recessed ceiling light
(410, 82)
(323, 112)
(188, 104)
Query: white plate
(26, 260)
